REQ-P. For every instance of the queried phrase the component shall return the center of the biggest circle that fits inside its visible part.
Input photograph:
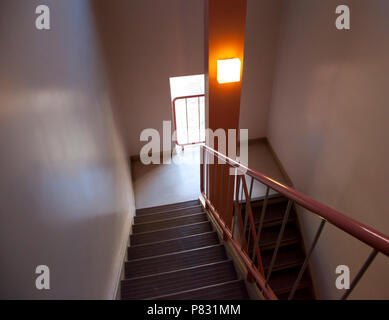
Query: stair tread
(175, 245)
(167, 207)
(150, 217)
(282, 281)
(177, 281)
(287, 256)
(269, 236)
(175, 261)
(169, 223)
(233, 290)
(274, 213)
(171, 233)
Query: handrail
(362, 232)
(215, 189)
(186, 107)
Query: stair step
(169, 223)
(172, 233)
(274, 214)
(175, 245)
(167, 207)
(269, 236)
(150, 217)
(282, 281)
(177, 281)
(287, 257)
(233, 290)
(176, 261)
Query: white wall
(65, 193)
(262, 30)
(145, 43)
(148, 41)
(329, 126)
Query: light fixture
(228, 70)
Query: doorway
(188, 109)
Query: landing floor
(156, 185)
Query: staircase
(176, 255)
(290, 255)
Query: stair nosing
(176, 270)
(184, 225)
(155, 242)
(181, 217)
(176, 252)
(283, 243)
(168, 204)
(159, 212)
(191, 290)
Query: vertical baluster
(247, 212)
(281, 233)
(241, 191)
(250, 194)
(198, 107)
(361, 272)
(263, 212)
(246, 218)
(214, 197)
(219, 201)
(187, 121)
(227, 207)
(305, 264)
(207, 168)
(201, 169)
(251, 187)
(236, 206)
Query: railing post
(198, 108)
(201, 169)
(361, 272)
(305, 264)
(187, 120)
(219, 199)
(236, 202)
(251, 187)
(263, 212)
(281, 233)
(208, 190)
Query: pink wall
(328, 124)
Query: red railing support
(375, 239)
(358, 230)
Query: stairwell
(291, 254)
(176, 254)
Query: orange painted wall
(225, 22)
(225, 33)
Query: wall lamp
(228, 70)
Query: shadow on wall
(66, 194)
(145, 43)
(328, 123)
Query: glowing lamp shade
(228, 70)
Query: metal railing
(224, 193)
(199, 136)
